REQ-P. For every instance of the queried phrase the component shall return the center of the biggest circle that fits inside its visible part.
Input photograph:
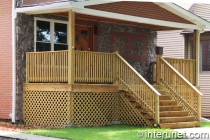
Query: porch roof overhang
(79, 7)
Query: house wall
(136, 44)
(172, 43)
(204, 80)
(5, 59)
(202, 10)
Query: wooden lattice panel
(94, 108)
(129, 114)
(49, 108)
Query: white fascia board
(56, 7)
(137, 19)
(183, 13)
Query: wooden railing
(180, 88)
(186, 67)
(94, 67)
(47, 66)
(138, 86)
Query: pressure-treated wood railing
(138, 86)
(94, 67)
(180, 88)
(47, 66)
(186, 67)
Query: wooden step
(179, 125)
(167, 102)
(176, 119)
(160, 87)
(162, 92)
(165, 97)
(132, 100)
(171, 108)
(173, 113)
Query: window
(205, 55)
(50, 35)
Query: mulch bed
(7, 126)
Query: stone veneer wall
(143, 64)
(25, 43)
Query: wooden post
(116, 69)
(199, 109)
(159, 52)
(197, 52)
(71, 37)
(157, 112)
(27, 67)
(197, 48)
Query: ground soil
(6, 125)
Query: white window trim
(52, 27)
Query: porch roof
(179, 18)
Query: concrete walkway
(197, 133)
(25, 136)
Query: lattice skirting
(58, 108)
(95, 109)
(50, 108)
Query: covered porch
(84, 70)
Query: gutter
(13, 62)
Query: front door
(83, 38)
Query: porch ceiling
(168, 17)
(103, 19)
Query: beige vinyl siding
(202, 10)
(204, 81)
(172, 43)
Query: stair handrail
(176, 79)
(156, 93)
(183, 78)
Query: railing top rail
(93, 52)
(195, 89)
(151, 87)
(179, 59)
(49, 51)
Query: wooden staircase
(172, 115)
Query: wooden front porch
(171, 103)
(87, 88)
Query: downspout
(13, 62)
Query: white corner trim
(137, 19)
(183, 13)
(13, 63)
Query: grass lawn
(205, 124)
(114, 132)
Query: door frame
(91, 34)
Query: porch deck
(117, 86)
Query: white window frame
(52, 30)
